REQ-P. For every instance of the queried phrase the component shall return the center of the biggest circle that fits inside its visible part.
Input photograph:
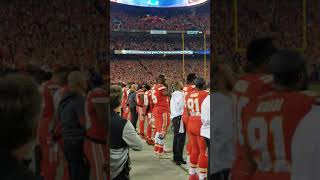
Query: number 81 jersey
(268, 127)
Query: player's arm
(185, 114)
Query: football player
(148, 109)
(49, 157)
(187, 89)
(140, 109)
(198, 156)
(255, 82)
(277, 129)
(95, 146)
(161, 113)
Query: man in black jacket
(133, 105)
(20, 107)
(72, 116)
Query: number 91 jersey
(268, 128)
(193, 102)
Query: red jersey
(159, 100)
(124, 97)
(193, 104)
(48, 90)
(187, 89)
(95, 128)
(148, 101)
(248, 89)
(140, 98)
(268, 128)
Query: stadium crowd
(41, 35)
(121, 20)
(143, 71)
(157, 43)
(124, 17)
(52, 47)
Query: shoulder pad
(266, 79)
(241, 86)
(311, 93)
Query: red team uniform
(95, 147)
(49, 158)
(268, 129)
(198, 157)
(161, 114)
(124, 107)
(140, 110)
(248, 89)
(187, 90)
(148, 109)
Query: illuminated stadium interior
(160, 3)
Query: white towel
(181, 129)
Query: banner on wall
(137, 52)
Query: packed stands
(176, 19)
(163, 43)
(42, 35)
(145, 71)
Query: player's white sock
(202, 176)
(192, 171)
(188, 161)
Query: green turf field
(315, 87)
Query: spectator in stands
(122, 137)
(19, 113)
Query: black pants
(222, 175)
(122, 176)
(178, 139)
(134, 116)
(78, 168)
(208, 146)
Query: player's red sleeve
(185, 116)
(243, 167)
